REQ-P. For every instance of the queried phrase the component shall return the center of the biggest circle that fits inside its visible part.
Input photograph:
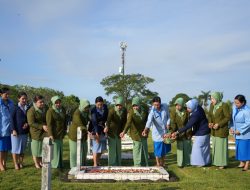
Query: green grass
(188, 178)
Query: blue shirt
(158, 120)
(241, 122)
(6, 122)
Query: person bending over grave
(117, 118)
(200, 155)
(36, 116)
(81, 118)
(158, 119)
(99, 115)
(57, 127)
(136, 122)
(178, 119)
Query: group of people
(105, 125)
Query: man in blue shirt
(158, 120)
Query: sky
(71, 45)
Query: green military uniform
(56, 122)
(219, 114)
(116, 122)
(178, 120)
(80, 119)
(36, 119)
(136, 123)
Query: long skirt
(18, 143)
(99, 147)
(140, 152)
(184, 148)
(200, 155)
(36, 148)
(219, 151)
(114, 152)
(57, 161)
(243, 149)
(73, 153)
(5, 144)
(161, 149)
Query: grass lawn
(29, 178)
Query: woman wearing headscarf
(6, 125)
(241, 131)
(200, 155)
(158, 120)
(136, 122)
(116, 121)
(81, 118)
(36, 116)
(57, 127)
(219, 117)
(178, 119)
(99, 115)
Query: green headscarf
(83, 104)
(137, 101)
(179, 101)
(119, 101)
(53, 100)
(218, 97)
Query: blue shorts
(5, 144)
(161, 149)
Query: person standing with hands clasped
(200, 155)
(117, 118)
(38, 129)
(219, 117)
(136, 122)
(241, 131)
(57, 127)
(20, 131)
(158, 119)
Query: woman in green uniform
(178, 119)
(219, 117)
(81, 118)
(116, 121)
(56, 122)
(136, 122)
(38, 129)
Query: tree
(128, 86)
(70, 103)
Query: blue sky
(70, 45)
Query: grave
(116, 173)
